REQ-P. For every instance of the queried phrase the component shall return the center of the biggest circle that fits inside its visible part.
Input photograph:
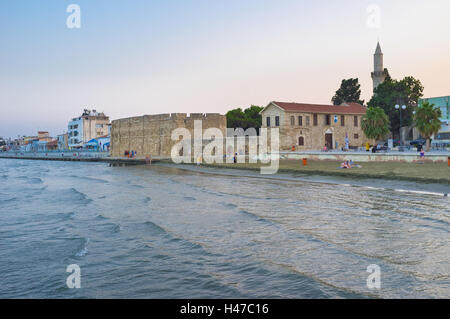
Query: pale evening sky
(140, 57)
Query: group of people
(130, 154)
(348, 164)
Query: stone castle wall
(150, 135)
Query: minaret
(379, 74)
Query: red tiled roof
(350, 108)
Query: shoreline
(346, 173)
(318, 168)
(369, 183)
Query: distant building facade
(151, 135)
(443, 103)
(63, 141)
(311, 126)
(3, 145)
(44, 136)
(88, 126)
(379, 73)
(100, 144)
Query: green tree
(375, 123)
(253, 117)
(249, 118)
(392, 92)
(235, 118)
(350, 91)
(427, 120)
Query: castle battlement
(151, 134)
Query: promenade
(408, 156)
(79, 157)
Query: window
(327, 119)
(443, 136)
(268, 121)
(301, 141)
(300, 121)
(315, 119)
(292, 120)
(356, 136)
(307, 121)
(277, 121)
(342, 120)
(356, 121)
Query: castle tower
(379, 74)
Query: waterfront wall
(150, 135)
(366, 157)
(55, 155)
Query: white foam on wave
(410, 191)
(420, 192)
(83, 252)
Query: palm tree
(427, 121)
(375, 123)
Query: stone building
(311, 126)
(152, 134)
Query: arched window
(301, 141)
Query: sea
(167, 231)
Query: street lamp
(398, 107)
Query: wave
(229, 205)
(255, 217)
(136, 186)
(65, 216)
(90, 179)
(31, 180)
(177, 243)
(9, 200)
(84, 250)
(117, 228)
(108, 227)
(147, 200)
(154, 228)
(72, 195)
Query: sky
(131, 58)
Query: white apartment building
(86, 127)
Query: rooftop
(347, 108)
(378, 49)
